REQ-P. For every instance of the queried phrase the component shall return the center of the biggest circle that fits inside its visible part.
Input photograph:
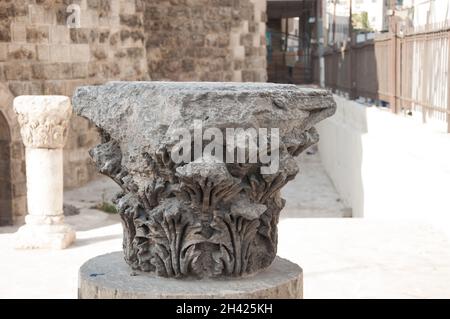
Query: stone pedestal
(44, 124)
(109, 277)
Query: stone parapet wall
(387, 166)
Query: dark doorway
(5, 173)
(289, 36)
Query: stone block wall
(181, 40)
(39, 54)
(206, 40)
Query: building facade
(367, 15)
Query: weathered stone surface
(201, 40)
(108, 277)
(44, 120)
(198, 217)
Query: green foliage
(360, 22)
(106, 207)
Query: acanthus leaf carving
(200, 217)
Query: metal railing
(410, 72)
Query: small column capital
(43, 120)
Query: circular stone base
(109, 277)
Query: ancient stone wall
(39, 54)
(205, 40)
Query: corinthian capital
(43, 120)
(206, 215)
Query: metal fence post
(448, 83)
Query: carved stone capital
(203, 216)
(43, 120)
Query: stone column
(44, 125)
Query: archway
(6, 216)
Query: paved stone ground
(359, 258)
(341, 257)
(312, 193)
